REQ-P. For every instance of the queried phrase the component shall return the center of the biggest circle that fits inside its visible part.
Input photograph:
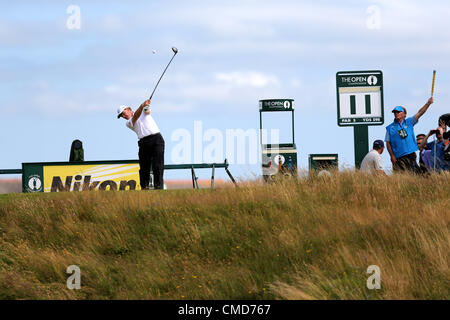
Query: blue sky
(59, 84)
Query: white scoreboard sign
(359, 98)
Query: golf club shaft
(162, 75)
(432, 84)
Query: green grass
(312, 238)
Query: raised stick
(432, 84)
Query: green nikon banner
(80, 176)
(96, 175)
(360, 103)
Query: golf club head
(175, 50)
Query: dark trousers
(407, 163)
(151, 153)
(422, 167)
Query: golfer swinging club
(151, 143)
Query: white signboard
(360, 98)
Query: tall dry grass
(308, 239)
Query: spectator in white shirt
(372, 162)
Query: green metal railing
(191, 166)
(10, 171)
(194, 166)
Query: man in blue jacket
(401, 140)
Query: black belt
(149, 136)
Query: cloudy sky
(60, 82)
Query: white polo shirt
(144, 126)
(372, 161)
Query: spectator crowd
(403, 145)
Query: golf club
(432, 84)
(175, 51)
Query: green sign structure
(33, 178)
(323, 161)
(360, 98)
(360, 103)
(276, 105)
(280, 159)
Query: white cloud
(232, 28)
(113, 88)
(295, 83)
(252, 79)
(274, 40)
(167, 106)
(111, 23)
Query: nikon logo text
(80, 184)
